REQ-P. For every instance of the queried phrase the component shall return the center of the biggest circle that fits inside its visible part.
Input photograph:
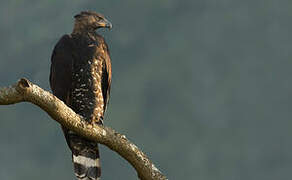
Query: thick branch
(26, 91)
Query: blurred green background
(203, 87)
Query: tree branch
(25, 91)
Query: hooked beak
(106, 24)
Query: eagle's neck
(80, 28)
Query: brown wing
(61, 68)
(107, 76)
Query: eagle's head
(91, 21)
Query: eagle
(80, 76)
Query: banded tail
(87, 164)
(85, 156)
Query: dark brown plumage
(81, 77)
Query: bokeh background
(203, 87)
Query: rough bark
(25, 91)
